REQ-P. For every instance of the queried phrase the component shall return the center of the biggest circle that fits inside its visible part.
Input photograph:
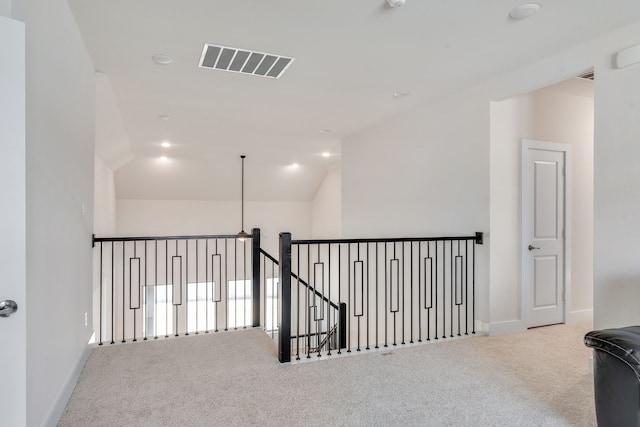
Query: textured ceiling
(350, 57)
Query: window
(240, 304)
(160, 312)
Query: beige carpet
(536, 378)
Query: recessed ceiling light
(295, 165)
(524, 11)
(166, 144)
(162, 59)
(396, 3)
(326, 154)
(163, 158)
(164, 117)
(401, 94)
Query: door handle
(7, 308)
(532, 248)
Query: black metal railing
(322, 296)
(391, 291)
(171, 285)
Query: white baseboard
(482, 327)
(509, 327)
(61, 403)
(581, 316)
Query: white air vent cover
(587, 76)
(243, 61)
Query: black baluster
(135, 250)
(144, 311)
(473, 288)
(226, 287)
(452, 281)
(420, 291)
(444, 289)
(329, 327)
(342, 330)
(235, 283)
(435, 300)
(155, 296)
(298, 250)
(113, 307)
(411, 292)
(100, 333)
(377, 306)
(367, 314)
(402, 269)
(123, 292)
(349, 294)
(466, 288)
(274, 300)
(456, 285)
(166, 289)
(355, 286)
(186, 331)
(387, 285)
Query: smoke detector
(396, 3)
(524, 11)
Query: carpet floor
(535, 378)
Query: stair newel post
(255, 282)
(284, 299)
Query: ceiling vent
(587, 76)
(244, 61)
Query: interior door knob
(532, 248)
(7, 308)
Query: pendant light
(242, 235)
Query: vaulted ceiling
(350, 58)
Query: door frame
(524, 291)
(13, 329)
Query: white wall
(5, 8)
(59, 165)
(104, 200)
(617, 193)
(326, 210)
(189, 217)
(508, 124)
(112, 141)
(422, 174)
(13, 330)
(549, 116)
(397, 176)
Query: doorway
(562, 113)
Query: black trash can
(616, 369)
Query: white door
(544, 201)
(13, 336)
